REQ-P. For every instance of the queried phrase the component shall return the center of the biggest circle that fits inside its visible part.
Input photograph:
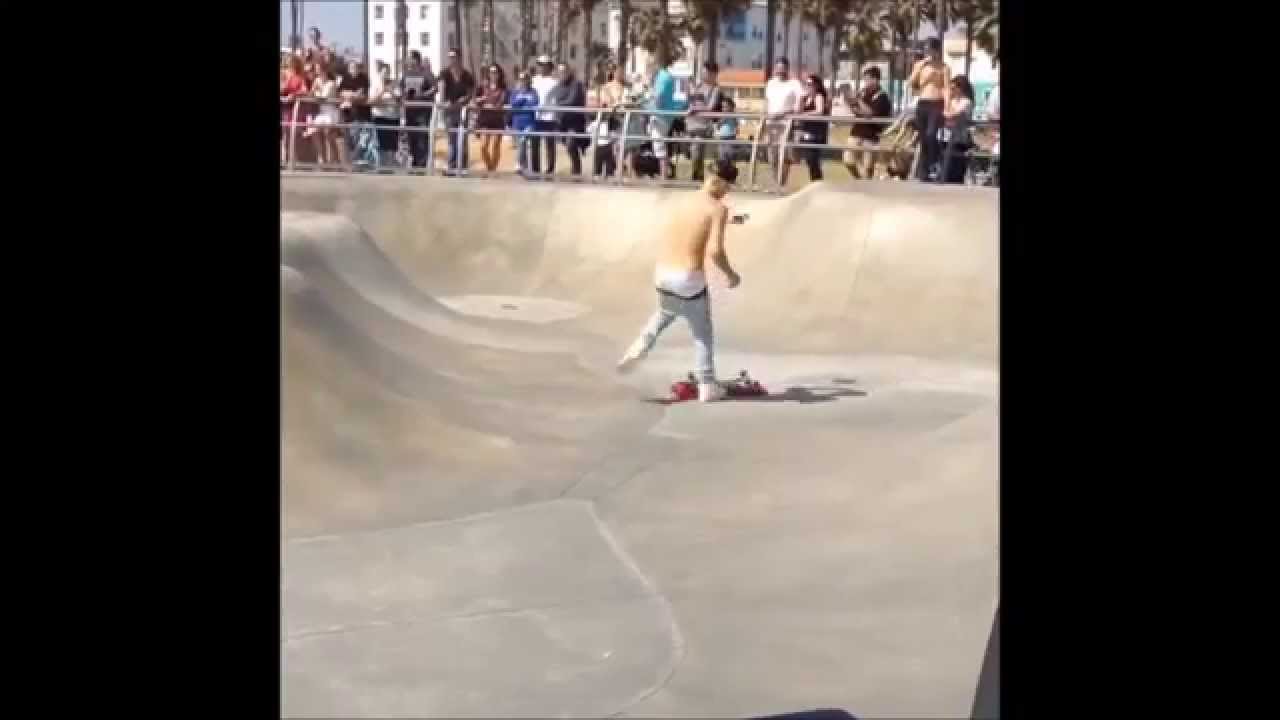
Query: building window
(424, 39)
(377, 12)
(453, 13)
(453, 41)
(573, 52)
(604, 29)
(377, 39)
(422, 11)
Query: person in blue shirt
(524, 96)
(663, 97)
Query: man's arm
(715, 247)
(946, 83)
(914, 82)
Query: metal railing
(459, 122)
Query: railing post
(622, 146)
(782, 152)
(293, 134)
(431, 139)
(595, 138)
(461, 152)
(403, 132)
(755, 149)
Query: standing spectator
(613, 92)
(386, 115)
(930, 79)
(871, 102)
(330, 142)
(524, 96)
(602, 156)
(354, 92)
(663, 98)
(492, 116)
(292, 87)
(704, 98)
(781, 97)
(814, 103)
(544, 83)
(418, 85)
(956, 118)
(458, 89)
(569, 92)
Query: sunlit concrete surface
(480, 518)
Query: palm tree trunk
(466, 22)
(968, 47)
(587, 75)
(664, 34)
(493, 33)
(486, 37)
(770, 25)
(713, 36)
(835, 53)
(786, 34)
(799, 61)
(457, 22)
(822, 49)
(624, 29)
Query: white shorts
(659, 140)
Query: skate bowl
(481, 518)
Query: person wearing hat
(544, 83)
(457, 90)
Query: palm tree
(865, 34)
(788, 12)
(488, 45)
(587, 8)
(981, 20)
(770, 12)
(624, 36)
(827, 15)
(986, 29)
(526, 17)
(703, 19)
(466, 22)
(652, 31)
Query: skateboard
(741, 386)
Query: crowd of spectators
(346, 117)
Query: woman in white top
(956, 116)
(331, 146)
(385, 111)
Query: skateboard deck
(740, 387)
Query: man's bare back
(930, 79)
(693, 231)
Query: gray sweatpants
(697, 312)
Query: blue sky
(339, 21)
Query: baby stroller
(366, 155)
(644, 163)
(899, 144)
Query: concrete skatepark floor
(480, 518)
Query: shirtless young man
(930, 79)
(693, 232)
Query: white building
(430, 31)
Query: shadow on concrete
(802, 395)
(819, 714)
(986, 699)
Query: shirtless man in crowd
(930, 79)
(693, 232)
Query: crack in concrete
(472, 615)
